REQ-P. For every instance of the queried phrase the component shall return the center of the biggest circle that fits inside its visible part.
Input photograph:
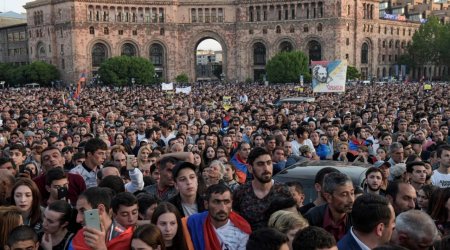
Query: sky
(13, 5)
(16, 6)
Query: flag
(82, 80)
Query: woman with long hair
(147, 237)
(57, 220)
(26, 198)
(424, 195)
(119, 139)
(10, 217)
(168, 219)
(209, 155)
(440, 209)
(142, 156)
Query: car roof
(307, 170)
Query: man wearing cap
(219, 227)
(188, 201)
(29, 137)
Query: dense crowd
(141, 168)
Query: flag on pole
(81, 81)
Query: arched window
(315, 51)
(319, 27)
(292, 29)
(365, 53)
(161, 32)
(91, 30)
(259, 54)
(278, 29)
(286, 46)
(99, 54)
(106, 31)
(128, 49)
(305, 28)
(156, 54)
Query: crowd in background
(141, 168)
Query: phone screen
(130, 159)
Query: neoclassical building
(78, 35)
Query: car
(295, 100)
(305, 173)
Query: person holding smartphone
(98, 232)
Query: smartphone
(92, 219)
(130, 159)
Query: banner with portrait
(329, 76)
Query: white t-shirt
(440, 180)
(231, 237)
(296, 146)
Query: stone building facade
(78, 35)
(14, 44)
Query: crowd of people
(140, 168)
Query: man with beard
(252, 199)
(441, 176)
(165, 188)
(373, 221)
(417, 174)
(374, 181)
(402, 196)
(219, 227)
(333, 216)
(359, 139)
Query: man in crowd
(417, 174)
(219, 227)
(314, 238)
(402, 196)
(301, 140)
(415, 230)
(22, 237)
(373, 221)
(374, 181)
(333, 216)
(240, 161)
(52, 158)
(441, 176)
(95, 151)
(125, 210)
(252, 199)
(88, 237)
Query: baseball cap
(379, 164)
(181, 165)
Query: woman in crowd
(142, 156)
(26, 198)
(57, 219)
(168, 219)
(440, 210)
(119, 139)
(31, 168)
(221, 152)
(209, 155)
(10, 217)
(147, 237)
(230, 177)
(288, 223)
(381, 154)
(323, 150)
(424, 195)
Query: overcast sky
(13, 5)
(16, 6)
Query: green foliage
(430, 44)
(39, 72)
(352, 73)
(248, 80)
(182, 78)
(287, 67)
(120, 70)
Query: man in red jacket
(51, 158)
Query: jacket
(315, 217)
(348, 243)
(176, 201)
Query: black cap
(181, 165)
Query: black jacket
(176, 201)
(315, 217)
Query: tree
(122, 69)
(39, 72)
(286, 67)
(182, 78)
(352, 73)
